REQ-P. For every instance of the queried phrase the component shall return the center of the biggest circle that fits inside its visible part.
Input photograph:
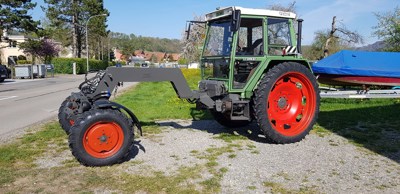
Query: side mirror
(188, 30)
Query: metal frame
(266, 61)
(114, 75)
(359, 94)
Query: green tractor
(252, 69)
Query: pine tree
(14, 16)
(72, 15)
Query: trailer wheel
(63, 116)
(286, 103)
(101, 137)
(224, 120)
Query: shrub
(21, 57)
(64, 65)
(21, 62)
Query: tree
(71, 16)
(291, 7)
(193, 43)
(340, 33)
(127, 44)
(329, 41)
(45, 49)
(14, 15)
(388, 29)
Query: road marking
(7, 97)
(15, 81)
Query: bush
(21, 57)
(64, 65)
(22, 62)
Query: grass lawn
(373, 124)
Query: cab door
(249, 52)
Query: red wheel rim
(103, 139)
(291, 104)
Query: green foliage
(45, 49)
(129, 43)
(388, 29)
(21, 57)
(64, 65)
(316, 50)
(70, 15)
(183, 61)
(21, 62)
(14, 15)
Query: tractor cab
(241, 42)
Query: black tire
(101, 137)
(63, 116)
(224, 120)
(1, 80)
(286, 103)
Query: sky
(167, 18)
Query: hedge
(64, 65)
(23, 62)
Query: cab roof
(222, 12)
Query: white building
(10, 48)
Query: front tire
(101, 137)
(286, 103)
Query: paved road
(27, 102)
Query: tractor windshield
(219, 39)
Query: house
(156, 57)
(10, 49)
(174, 56)
(118, 55)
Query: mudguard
(108, 104)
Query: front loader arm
(113, 75)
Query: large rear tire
(286, 103)
(101, 137)
(224, 120)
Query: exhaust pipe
(300, 26)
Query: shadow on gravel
(252, 132)
(375, 128)
(134, 151)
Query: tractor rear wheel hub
(282, 102)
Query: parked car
(144, 65)
(4, 73)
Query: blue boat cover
(360, 63)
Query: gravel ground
(328, 164)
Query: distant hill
(377, 46)
(129, 43)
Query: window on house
(12, 44)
